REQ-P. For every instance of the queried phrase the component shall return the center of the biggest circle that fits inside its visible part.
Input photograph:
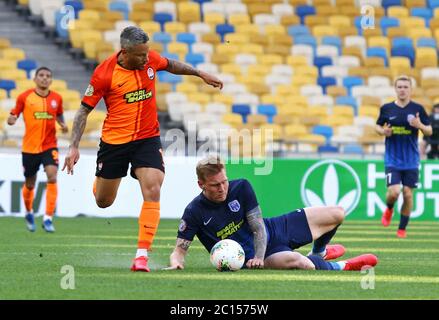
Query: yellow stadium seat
(69, 94)
(89, 15)
(353, 51)
(8, 64)
(13, 74)
(347, 31)
(248, 29)
(179, 48)
(258, 69)
(425, 57)
(5, 43)
(236, 38)
(103, 55)
(399, 62)
(428, 83)
(343, 111)
(315, 20)
(58, 84)
(379, 42)
(214, 18)
(295, 131)
(3, 94)
(322, 3)
(324, 30)
(201, 98)
(374, 62)
(103, 25)
(368, 111)
(288, 20)
(296, 101)
(280, 40)
(367, 33)
(232, 119)
(258, 88)
(339, 21)
(231, 68)
(285, 90)
(272, 29)
(140, 16)
(239, 18)
(416, 33)
(362, 72)
(318, 111)
(398, 12)
(91, 48)
(256, 8)
(187, 87)
(113, 16)
(270, 59)
(143, 6)
(306, 71)
(297, 61)
(298, 2)
(335, 121)
(256, 119)
(292, 111)
(188, 12)
(350, 11)
(150, 27)
(174, 27)
(302, 80)
(25, 84)
(336, 91)
(393, 32)
(252, 48)
(272, 99)
(412, 22)
(223, 98)
(14, 93)
(211, 37)
(436, 12)
(227, 49)
(275, 129)
(100, 6)
(415, 3)
(12, 54)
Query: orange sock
(94, 186)
(148, 223)
(51, 195)
(28, 197)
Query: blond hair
(209, 166)
(403, 78)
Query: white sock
(322, 254)
(342, 264)
(141, 253)
(46, 217)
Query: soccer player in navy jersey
(229, 210)
(400, 121)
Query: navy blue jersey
(212, 222)
(402, 146)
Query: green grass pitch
(100, 251)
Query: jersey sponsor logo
(320, 185)
(150, 73)
(207, 222)
(234, 206)
(43, 115)
(54, 104)
(230, 229)
(182, 226)
(402, 131)
(138, 95)
(89, 91)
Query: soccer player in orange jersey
(41, 108)
(131, 132)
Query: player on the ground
(41, 108)
(131, 132)
(400, 121)
(230, 210)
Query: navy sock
(320, 243)
(390, 205)
(403, 222)
(321, 264)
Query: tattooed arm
(78, 129)
(177, 67)
(257, 226)
(177, 256)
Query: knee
(338, 214)
(152, 192)
(407, 194)
(393, 195)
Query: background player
(41, 108)
(131, 132)
(230, 210)
(399, 121)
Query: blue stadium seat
(268, 110)
(324, 82)
(223, 29)
(171, 78)
(194, 58)
(332, 41)
(403, 51)
(77, 6)
(243, 109)
(320, 62)
(162, 18)
(377, 52)
(186, 37)
(306, 39)
(388, 3)
(426, 42)
(27, 65)
(168, 55)
(425, 13)
(388, 22)
(7, 85)
(327, 148)
(201, 1)
(325, 131)
(348, 100)
(353, 149)
(402, 42)
(350, 82)
(162, 37)
(120, 6)
(297, 30)
(305, 10)
(433, 4)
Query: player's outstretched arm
(178, 67)
(257, 226)
(176, 259)
(79, 123)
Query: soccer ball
(227, 255)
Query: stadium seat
(77, 6)
(304, 10)
(268, 110)
(324, 82)
(162, 18)
(350, 82)
(308, 40)
(404, 51)
(332, 41)
(242, 109)
(7, 85)
(162, 37)
(388, 22)
(426, 42)
(194, 58)
(297, 30)
(186, 37)
(327, 148)
(223, 29)
(325, 131)
(377, 52)
(27, 65)
(348, 100)
(353, 149)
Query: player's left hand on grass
(71, 159)
(255, 263)
(212, 80)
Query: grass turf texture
(101, 251)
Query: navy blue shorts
(287, 232)
(408, 178)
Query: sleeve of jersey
(19, 106)
(381, 120)
(95, 90)
(60, 110)
(187, 228)
(425, 119)
(249, 197)
(160, 62)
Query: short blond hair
(209, 166)
(403, 78)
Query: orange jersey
(130, 99)
(39, 115)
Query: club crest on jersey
(182, 226)
(89, 91)
(150, 73)
(234, 206)
(54, 104)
